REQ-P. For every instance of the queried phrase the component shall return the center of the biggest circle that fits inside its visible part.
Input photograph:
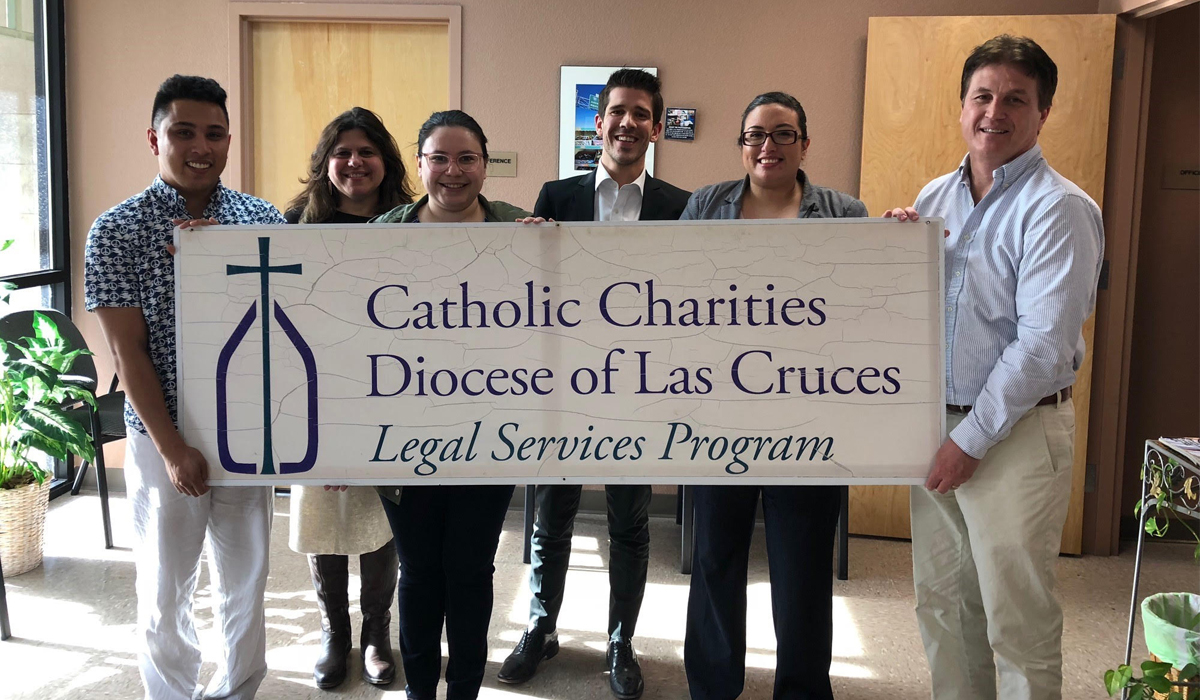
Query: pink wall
(712, 55)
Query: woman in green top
(452, 163)
(446, 536)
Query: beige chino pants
(984, 560)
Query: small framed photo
(579, 144)
(681, 124)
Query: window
(33, 163)
(33, 197)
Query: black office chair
(106, 424)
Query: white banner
(675, 352)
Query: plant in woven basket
(35, 388)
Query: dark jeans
(800, 522)
(628, 554)
(446, 539)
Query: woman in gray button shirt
(800, 520)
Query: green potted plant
(34, 392)
(1171, 621)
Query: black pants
(800, 523)
(628, 554)
(446, 539)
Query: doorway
(300, 65)
(1164, 361)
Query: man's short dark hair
(186, 87)
(1019, 51)
(634, 79)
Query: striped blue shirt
(1021, 272)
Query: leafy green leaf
(30, 390)
(76, 393)
(43, 327)
(1155, 668)
(1112, 682)
(37, 441)
(56, 425)
(4, 245)
(1189, 672)
(1158, 683)
(25, 368)
(1157, 526)
(1137, 692)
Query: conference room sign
(719, 352)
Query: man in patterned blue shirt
(1022, 261)
(130, 284)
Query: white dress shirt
(1021, 272)
(613, 204)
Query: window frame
(49, 47)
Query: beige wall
(1164, 364)
(712, 55)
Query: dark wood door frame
(1129, 110)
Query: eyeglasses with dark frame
(440, 162)
(783, 137)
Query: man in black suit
(620, 189)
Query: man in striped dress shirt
(1022, 261)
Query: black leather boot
(379, 572)
(330, 580)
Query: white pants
(984, 560)
(171, 531)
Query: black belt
(1057, 397)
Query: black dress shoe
(624, 673)
(522, 663)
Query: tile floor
(73, 618)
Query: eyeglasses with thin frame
(440, 162)
(783, 137)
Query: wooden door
(305, 73)
(911, 135)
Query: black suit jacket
(574, 199)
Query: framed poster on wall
(579, 144)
